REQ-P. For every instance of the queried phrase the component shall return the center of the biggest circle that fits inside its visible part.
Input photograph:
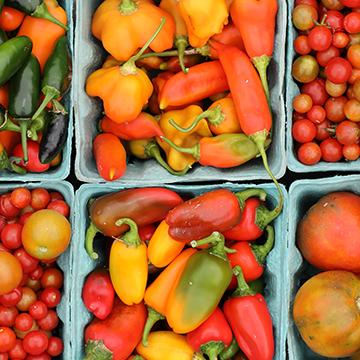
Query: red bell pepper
(212, 336)
(250, 321)
(98, 294)
(251, 258)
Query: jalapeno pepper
(56, 77)
(35, 8)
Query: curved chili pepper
(230, 351)
(143, 127)
(230, 35)
(173, 64)
(206, 275)
(110, 156)
(250, 320)
(201, 81)
(144, 206)
(157, 294)
(211, 336)
(128, 265)
(256, 21)
(10, 18)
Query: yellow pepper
(128, 265)
(184, 118)
(203, 19)
(166, 345)
(162, 248)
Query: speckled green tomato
(305, 69)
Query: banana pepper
(184, 117)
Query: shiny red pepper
(229, 36)
(98, 294)
(250, 321)
(146, 232)
(212, 336)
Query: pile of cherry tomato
(30, 288)
(326, 118)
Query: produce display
(326, 114)
(35, 72)
(176, 280)
(34, 232)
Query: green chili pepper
(35, 8)
(24, 95)
(230, 351)
(14, 53)
(3, 37)
(56, 77)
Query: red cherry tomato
(316, 89)
(35, 342)
(309, 153)
(11, 236)
(37, 273)
(21, 197)
(303, 131)
(38, 310)
(340, 40)
(51, 297)
(52, 277)
(324, 57)
(301, 45)
(352, 23)
(28, 263)
(322, 130)
(307, 2)
(348, 133)
(40, 199)
(43, 356)
(24, 322)
(335, 19)
(302, 103)
(335, 108)
(320, 38)
(317, 115)
(4, 356)
(54, 195)
(8, 315)
(331, 150)
(12, 298)
(17, 352)
(351, 152)
(60, 206)
(7, 209)
(49, 322)
(7, 339)
(55, 347)
(338, 70)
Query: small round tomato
(51, 297)
(23, 218)
(37, 273)
(11, 272)
(21, 197)
(12, 298)
(46, 234)
(7, 209)
(43, 356)
(11, 236)
(335, 108)
(353, 55)
(331, 150)
(352, 23)
(340, 40)
(35, 342)
(28, 263)
(55, 347)
(301, 45)
(49, 322)
(324, 57)
(335, 19)
(302, 103)
(352, 110)
(8, 315)
(18, 352)
(40, 199)
(55, 195)
(351, 152)
(351, 3)
(316, 89)
(338, 70)
(24, 322)
(335, 90)
(52, 277)
(317, 114)
(38, 310)
(7, 339)
(304, 17)
(4, 356)
(333, 4)
(320, 38)
(312, 3)
(33, 284)
(309, 153)
(305, 69)
(27, 299)
(303, 131)
(323, 130)
(60, 206)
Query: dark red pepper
(146, 232)
(250, 321)
(212, 336)
(98, 294)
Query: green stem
(249, 193)
(194, 151)
(213, 349)
(169, 54)
(8, 125)
(181, 43)
(96, 350)
(261, 63)
(127, 7)
(230, 351)
(262, 251)
(243, 288)
(264, 216)
(50, 94)
(42, 12)
(23, 123)
(12, 166)
(131, 237)
(58, 107)
(89, 241)
(152, 319)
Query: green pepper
(56, 77)
(14, 53)
(201, 285)
(35, 8)
(3, 37)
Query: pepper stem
(89, 240)
(50, 94)
(13, 161)
(96, 349)
(152, 319)
(181, 43)
(42, 12)
(261, 63)
(214, 116)
(249, 193)
(262, 251)
(243, 288)
(35, 126)
(23, 127)
(153, 151)
(8, 125)
(127, 7)
(230, 351)
(169, 54)
(194, 150)
(131, 237)
(212, 349)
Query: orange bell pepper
(4, 96)
(162, 248)
(43, 33)
(123, 26)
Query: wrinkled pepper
(144, 126)
(144, 206)
(166, 345)
(43, 33)
(117, 336)
(206, 275)
(133, 22)
(201, 81)
(184, 117)
(157, 294)
(256, 21)
(212, 336)
(98, 294)
(203, 19)
(250, 320)
(163, 249)
(128, 264)
(148, 149)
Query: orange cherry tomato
(11, 272)
(10, 19)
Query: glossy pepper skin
(117, 336)
(212, 336)
(98, 294)
(144, 206)
(207, 275)
(201, 81)
(230, 35)
(128, 265)
(116, 19)
(196, 218)
(250, 320)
